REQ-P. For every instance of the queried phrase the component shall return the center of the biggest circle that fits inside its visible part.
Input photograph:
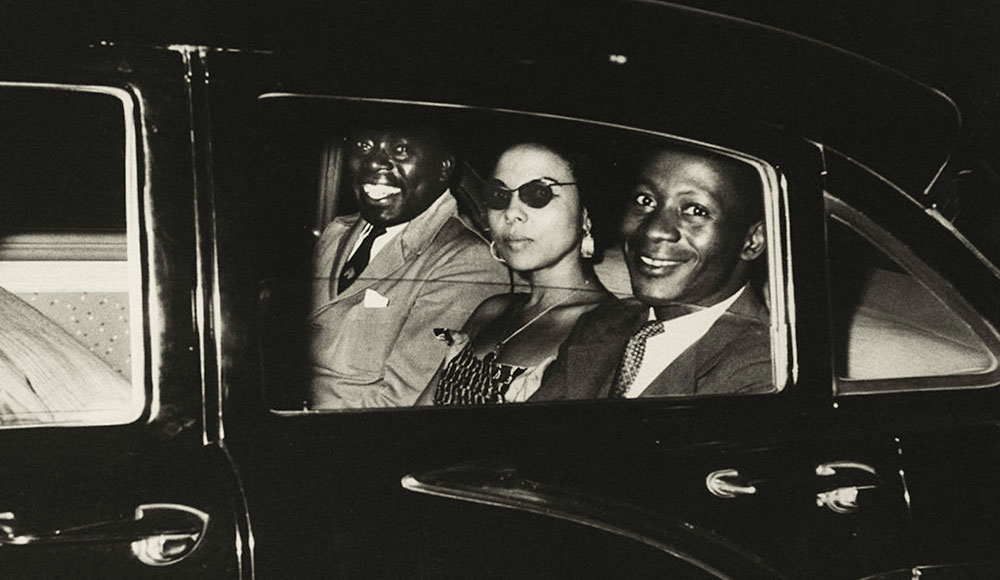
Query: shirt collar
(443, 204)
(391, 230)
(713, 311)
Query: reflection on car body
(201, 224)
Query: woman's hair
(559, 143)
(588, 174)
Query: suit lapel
(679, 377)
(342, 253)
(409, 243)
(389, 259)
(600, 355)
(682, 375)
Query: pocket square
(375, 300)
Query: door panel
(324, 490)
(74, 499)
(941, 417)
(72, 512)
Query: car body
(873, 458)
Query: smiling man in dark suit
(693, 230)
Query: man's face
(687, 239)
(396, 175)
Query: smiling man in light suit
(405, 264)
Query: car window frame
(142, 392)
(774, 184)
(923, 273)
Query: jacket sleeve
(582, 368)
(446, 298)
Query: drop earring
(493, 252)
(587, 243)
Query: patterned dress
(470, 380)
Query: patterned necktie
(632, 360)
(358, 262)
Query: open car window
(68, 276)
(448, 285)
(896, 324)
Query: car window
(378, 290)
(896, 325)
(67, 275)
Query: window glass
(892, 328)
(443, 255)
(65, 292)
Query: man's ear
(447, 169)
(755, 242)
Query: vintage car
(160, 198)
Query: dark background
(949, 45)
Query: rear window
(68, 298)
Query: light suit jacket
(373, 345)
(734, 356)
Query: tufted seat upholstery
(79, 281)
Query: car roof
(618, 60)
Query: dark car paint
(58, 479)
(322, 491)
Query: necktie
(358, 262)
(632, 359)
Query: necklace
(496, 349)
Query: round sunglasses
(537, 193)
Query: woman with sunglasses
(541, 230)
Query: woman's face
(531, 238)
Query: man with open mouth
(405, 264)
(693, 231)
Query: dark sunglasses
(537, 193)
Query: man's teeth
(657, 263)
(378, 191)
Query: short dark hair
(427, 123)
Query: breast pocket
(353, 342)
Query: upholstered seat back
(79, 281)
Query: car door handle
(843, 499)
(727, 483)
(835, 467)
(160, 534)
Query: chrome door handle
(725, 483)
(834, 467)
(160, 534)
(843, 499)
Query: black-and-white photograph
(499, 289)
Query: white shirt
(679, 334)
(380, 242)
(391, 231)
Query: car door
(110, 468)
(924, 375)
(332, 493)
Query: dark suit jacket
(733, 357)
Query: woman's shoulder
(600, 308)
(491, 308)
(588, 301)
